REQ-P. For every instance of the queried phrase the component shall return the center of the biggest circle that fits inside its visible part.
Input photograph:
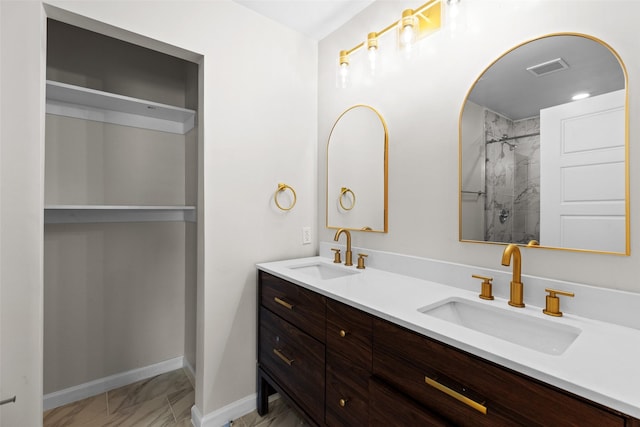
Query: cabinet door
(347, 391)
(349, 333)
(390, 408)
(295, 360)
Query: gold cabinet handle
(343, 402)
(464, 399)
(343, 333)
(282, 357)
(283, 303)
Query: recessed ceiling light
(581, 95)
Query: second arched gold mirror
(544, 148)
(357, 152)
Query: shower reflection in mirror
(538, 162)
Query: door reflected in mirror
(543, 148)
(357, 171)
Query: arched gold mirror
(544, 148)
(357, 152)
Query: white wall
(259, 128)
(21, 218)
(421, 103)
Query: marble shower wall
(512, 208)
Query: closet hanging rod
(503, 139)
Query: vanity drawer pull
(282, 357)
(342, 402)
(475, 405)
(283, 303)
(343, 333)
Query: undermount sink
(537, 334)
(323, 271)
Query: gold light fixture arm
(282, 187)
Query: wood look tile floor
(280, 415)
(161, 401)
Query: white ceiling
(314, 18)
(509, 89)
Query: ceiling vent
(548, 67)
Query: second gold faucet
(512, 251)
(348, 261)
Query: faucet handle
(553, 302)
(485, 292)
(361, 258)
(336, 257)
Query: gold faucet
(516, 283)
(348, 254)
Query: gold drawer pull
(343, 402)
(282, 357)
(283, 303)
(475, 405)
(343, 333)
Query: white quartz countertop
(602, 364)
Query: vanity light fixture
(411, 27)
(343, 69)
(453, 7)
(372, 50)
(453, 10)
(407, 29)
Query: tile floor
(161, 401)
(280, 415)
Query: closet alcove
(120, 232)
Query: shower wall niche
(512, 178)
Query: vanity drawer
(404, 358)
(390, 408)
(347, 392)
(349, 333)
(295, 360)
(302, 307)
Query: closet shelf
(90, 104)
(71, 214)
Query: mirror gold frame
(350, 198)
(627, 243)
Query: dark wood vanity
(340, 366)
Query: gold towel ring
(343, 192)
(283, 187)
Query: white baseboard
(190, 371)
(232, 411)
(82, 391)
